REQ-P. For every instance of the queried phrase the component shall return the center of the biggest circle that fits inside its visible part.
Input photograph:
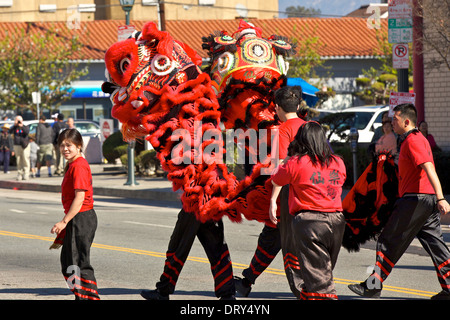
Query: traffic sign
(400, 56)
(397, 98)
(124, 32)
(399, 9)
(400, 21)
(106, 128)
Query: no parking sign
(400, 56)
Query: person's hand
(273, 212)
(58, 227)
(443, 207)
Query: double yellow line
(204, 260)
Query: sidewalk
(109, 180)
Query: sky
(327, 7)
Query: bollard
(131, 177)
(354, 135)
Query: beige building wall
(437, 97)
(46, 10)
(62, 10)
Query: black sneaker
(228, 297)
(362, 290)
(443, 295)
(243, 286)
(153, 295)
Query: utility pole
(161, 16)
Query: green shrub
(109, 148)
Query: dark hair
(310, 140)
(407, 110)
(73, 135)
(288, 98)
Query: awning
(309, 91)
(88, 89)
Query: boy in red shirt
(315, 177)
(416, 212)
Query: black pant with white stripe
(414, 215)
(75, 256)
(211, 236)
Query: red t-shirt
(78, 176)
(414, 151)
(312, 187)
(286, 133)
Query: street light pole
(127, 5)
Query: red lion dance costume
(159, 92)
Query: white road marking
(17, 211)
(149, 224)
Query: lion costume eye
(124, 64)
(161, 65)
(225, 62)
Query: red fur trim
(150, 31)
(117, 52)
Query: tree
(307, 60)
(299, 11)
(31, 62)
(434, 31)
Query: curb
(144, 194)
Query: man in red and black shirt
(274, 238)
(416, 212)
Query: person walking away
(33, 154)
(6, 147)
(20, 134)
(416, 212)
(76, 230)
(315, 177)
(44, 139)
(58, 126)
(274, 238)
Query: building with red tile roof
(348, 46)
(340, 37)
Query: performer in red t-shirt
(315, 177)
(274, 238)
(416, 213)
(76, 231)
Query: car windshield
(360, 120)
(86, 127)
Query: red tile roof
(341, 37)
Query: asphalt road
(129, 251)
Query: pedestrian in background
(44, 139)
(388, 141)
(6, 147)
(33, 154)
(58, 126)
(416, 213)
(423, 128)
(20, 134)
(76, 230)
(70, 123)
(315, 177)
